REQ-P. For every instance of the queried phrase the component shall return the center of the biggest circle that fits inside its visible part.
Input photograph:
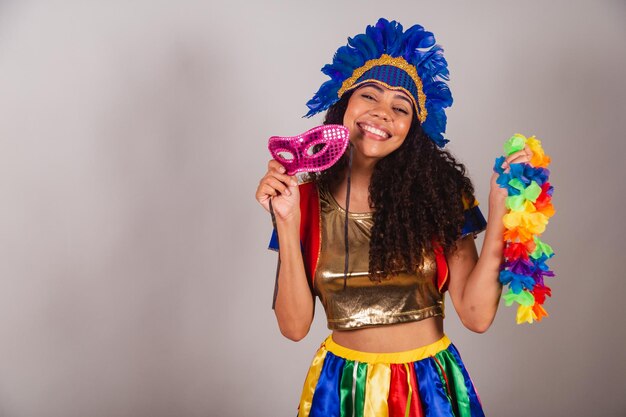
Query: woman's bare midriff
(392, 338)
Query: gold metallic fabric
(364, 302)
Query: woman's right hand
(282, 189)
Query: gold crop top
(364, 302)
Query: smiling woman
(381, 235)
(379, 120)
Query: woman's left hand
(497, 194)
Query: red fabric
(416, 403)
(540, 292)
(310, 226)
(399, 392)
(310, 236)
(442, 267)
(516, 250)
(544, 198)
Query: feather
(349, 57)
(323, 98)
(376, 36)
(366, 45)
(411, 39)
(337, 70)
(439, 95)
(416, 45)
(333, 71)
(433, 65)
(392, 35)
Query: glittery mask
(314, 150)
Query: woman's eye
(401, 110)
(367, 96)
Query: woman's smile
(379, 120)
(372, 131)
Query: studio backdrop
(134, 275)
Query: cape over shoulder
(309, 227)
(310, 236)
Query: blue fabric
(474, 221)
(444, 386)
(326, 399)
(273, 245)
(475, 407)
(435, 402)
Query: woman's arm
(294, 306)
(474, 286)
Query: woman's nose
(380, 112)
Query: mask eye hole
(315, 148)
(285, 155)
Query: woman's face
(378, 119)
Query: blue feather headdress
(400, 60)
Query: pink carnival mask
(300, 153)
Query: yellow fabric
(527, 222)
(525, 314)
(387, 358)
(377, 390)
(306, 399)
(539, 158)
(410, 393)
(469, 203)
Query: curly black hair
(416, 195)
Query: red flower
(516, 251)
(540, 292)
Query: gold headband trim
(398, 62)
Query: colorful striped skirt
(428, 381)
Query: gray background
(134, 279)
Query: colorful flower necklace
(530, 206)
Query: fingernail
(294, 183)
(287, 192)
(282, 170)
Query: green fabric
(359, 395)
(541, 248)
(345, 389)
(516, 202)
(514, 144)
(352, 406)
(524, 298)
(456, 384)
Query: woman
(410, 230)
